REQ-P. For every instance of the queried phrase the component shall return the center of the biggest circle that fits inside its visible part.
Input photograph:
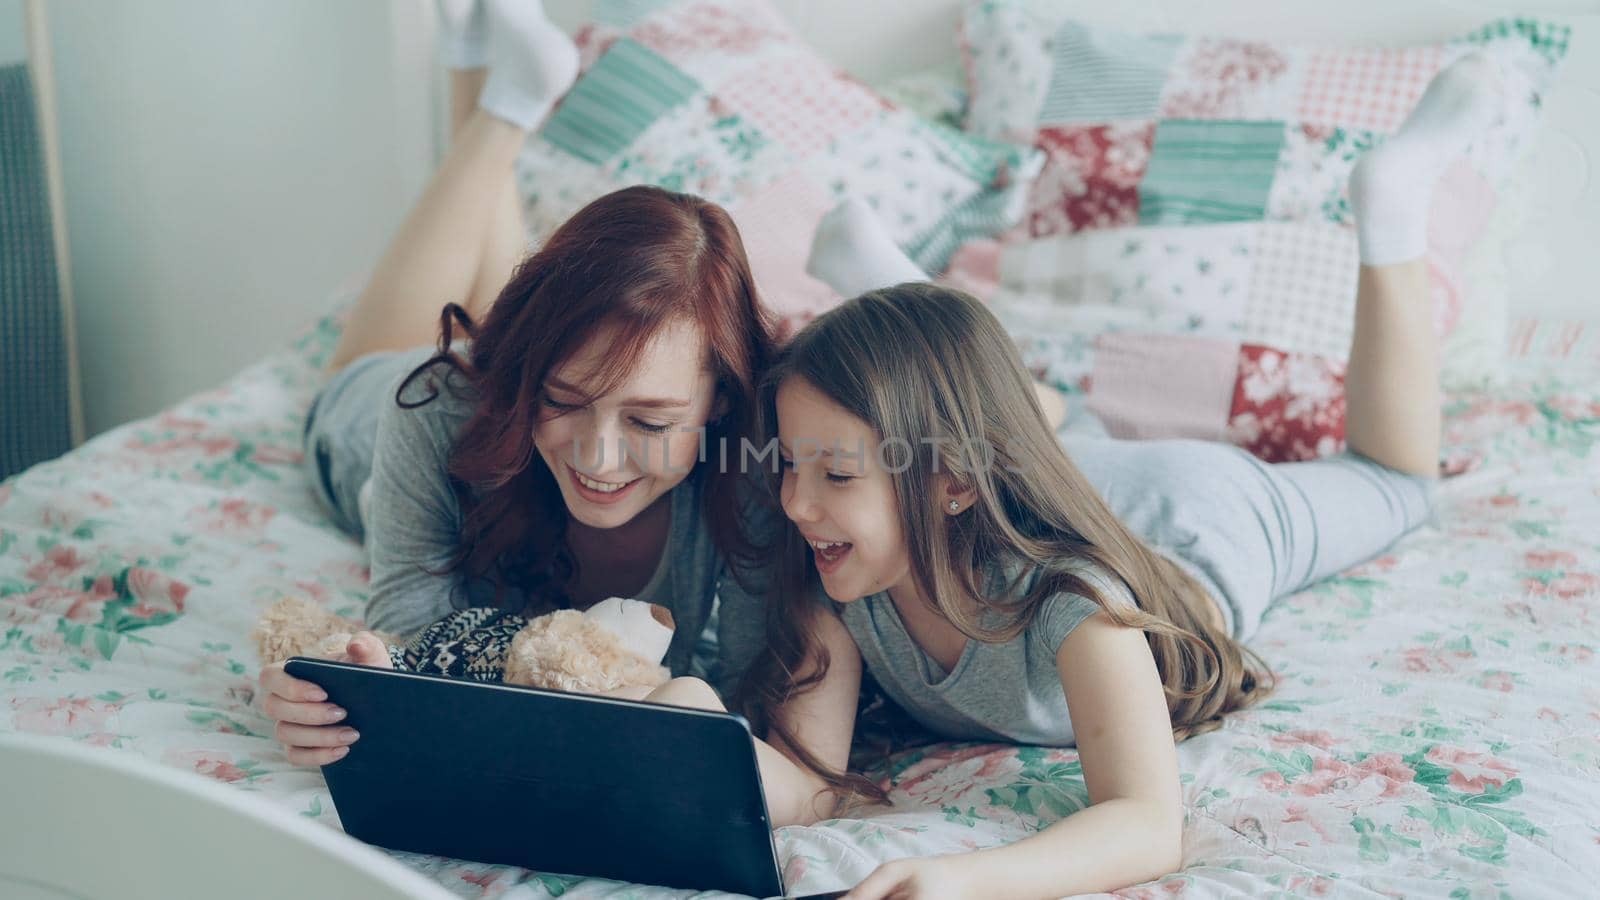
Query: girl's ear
(955, 498)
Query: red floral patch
(1090, 177)
(1287, 406)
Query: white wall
(13, 43)
(226, 166)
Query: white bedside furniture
(79, 823)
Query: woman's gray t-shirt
(1009, 691)
(412, 521)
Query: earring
(955, 506)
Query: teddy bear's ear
(662, 615)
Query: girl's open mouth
(829, 554)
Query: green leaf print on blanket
(1047, 786)
(132, 599)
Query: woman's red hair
(634, 261)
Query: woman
(556, 459)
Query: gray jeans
(1252, 531)
(342, 428)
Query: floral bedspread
(1437, 732)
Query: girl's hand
(918, 878)
(308, 727)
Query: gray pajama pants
(1252, 531)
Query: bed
(1436, 732)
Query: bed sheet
(1437, 731)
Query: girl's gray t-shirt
(413, 522)
(1008, 691)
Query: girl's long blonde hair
(933, 372)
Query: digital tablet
(557, 782)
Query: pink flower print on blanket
(85, 604)
(63, 716)
(1380, 776)
(133, 598)
(234, 517)
(965, 778)
(214, 764)
(1471, 773)
(60, 563)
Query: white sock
(852, 253)
(463, 34)
(1391, 187)
(531, 62)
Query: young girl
(554, 460)
(999, 587)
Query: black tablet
(550, 781)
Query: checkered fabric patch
(777, 224)
(615, 101)
(800, 102)
(1303, 288)
(1209, 172)
(1373, 89)
(1103, 74)
(1140, 395)
(1547, 38)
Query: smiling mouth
(602, 492)
(604, 487)
(829, 552)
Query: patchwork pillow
(1189, 242)
(722, 99)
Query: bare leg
(465, 234)
(465, 86)
(1392, 385)
(460, 231)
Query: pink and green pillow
(722, 99)
(1188, 241)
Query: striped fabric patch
(1099, 74)
(984, 161)
(1202, 171)
(982, 214)
(615, 101)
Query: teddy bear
(613, 645)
